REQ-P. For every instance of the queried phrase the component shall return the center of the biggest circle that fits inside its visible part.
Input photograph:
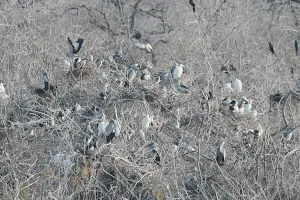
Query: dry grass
(33, 38)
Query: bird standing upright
(176, 71)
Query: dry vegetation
(220, 33)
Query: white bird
(176, 71)
(147, 120)
(248, 106)
(3, 94)
(146, 47)
(74, 47)
(67, 66)
(101, 128)
(238, 85)
(78, 109)
(227, 88)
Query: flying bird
(271, 48)
(176, 71)
(74, 47)
(146, 47)
(296, 47)
(193, 5)
(221, 153)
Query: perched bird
(258, 131)
(226, 100)
(118, 53)
(43, 92)
(112, 130)
(271, 48)
(182, 88)
(137, 35)
(147, 120)
(276, 97)
(176, 71)
(221, 153)
(248, 106)
(102, 127)
(146, 75)
(288, 133)
(78, 109)
(66, 66)
(224, 69)
(130, 75)
(192, 3)
(238, 85)
(3, 94)
(153, 149)
(146, 47)
(296, 47)
(234, 106)
(74, 47)
(227, 88)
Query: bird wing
(141, 46)
(71, 46)
(77, 45)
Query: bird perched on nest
(257, 132)
(74, 47)
(221, 153)
(146, 47)
(3, 94)
(146, 122)
(227, 88)
(153, 149)
(288, 132)
(118, 54)
(112, 130)
(238, 85)
(236, 107)
(176, 71)
(44, 92)
(131, 74)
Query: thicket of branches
(220, 33)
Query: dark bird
(271, 48)
(288, 132)
(153, 149)
(137, 35)
(43, 92)
(192, 3)
(296, 47)
(112, 130)
(74, 47)
(224, 69)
